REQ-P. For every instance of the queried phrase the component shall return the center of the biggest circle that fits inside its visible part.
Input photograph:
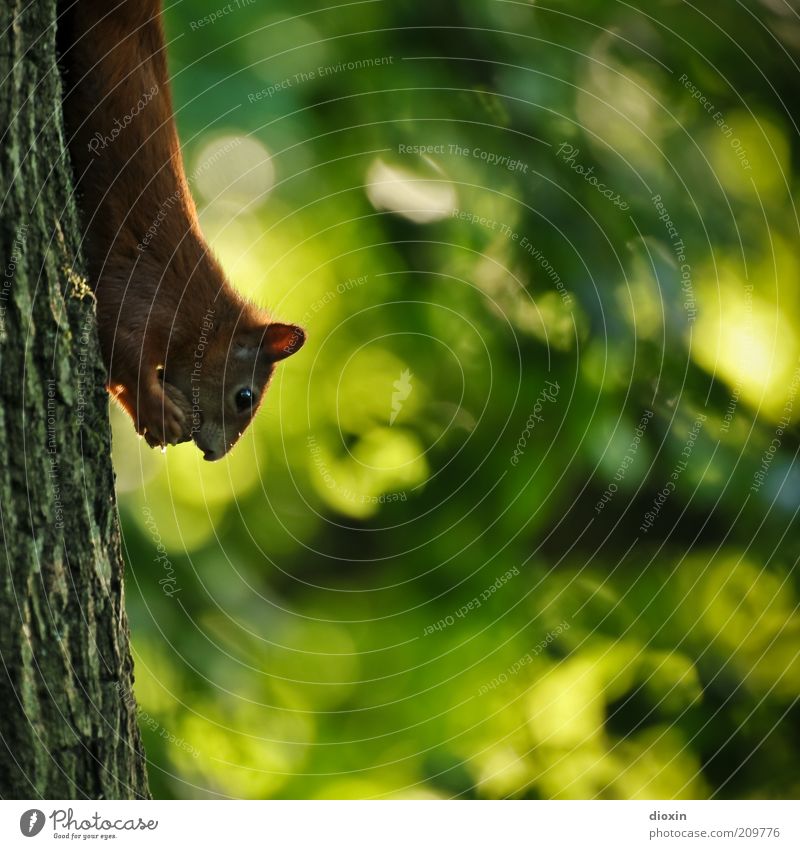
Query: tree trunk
(67, 716)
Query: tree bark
(67, 715)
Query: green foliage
(311, 633)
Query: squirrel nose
(210, 455)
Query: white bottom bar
(416, 824)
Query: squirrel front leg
(156, 412)
(157, 408)
(161, 419)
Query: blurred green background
(374, 595)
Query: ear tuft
(282, 340)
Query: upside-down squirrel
(158, 287)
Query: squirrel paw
(160, 418)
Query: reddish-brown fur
(155, 294)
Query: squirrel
(187, 356)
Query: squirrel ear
(282, 340)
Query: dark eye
(244, 399)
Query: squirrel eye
(244, 399)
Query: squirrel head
(227, 379)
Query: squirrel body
(160, 291)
